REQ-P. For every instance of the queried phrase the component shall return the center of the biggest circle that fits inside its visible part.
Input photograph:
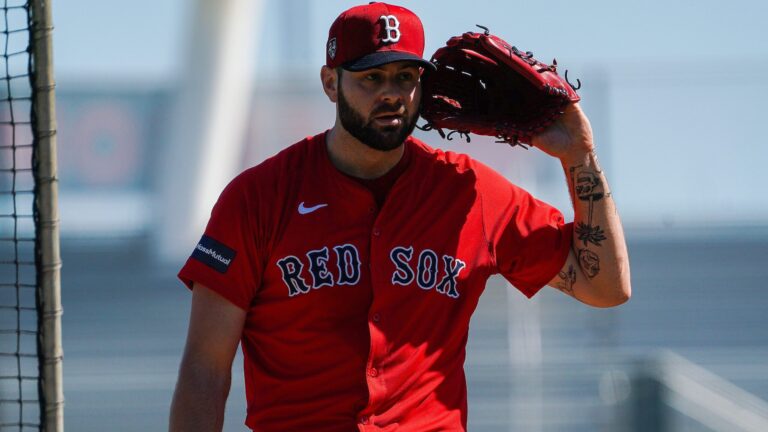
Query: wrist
(577, 157)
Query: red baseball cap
(371, 35)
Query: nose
(392, 92)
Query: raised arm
(597, 269)
(215, 327)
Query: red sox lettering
(424, 271)
(348, 266)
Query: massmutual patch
(213, 254)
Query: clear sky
(678, 87)
(143, 38)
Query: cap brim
(379, 58)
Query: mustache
(385, 108)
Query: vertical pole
(526, 362)
(597, 101)
(525, 341)
(209, 121)
(647, 401)
(46, 218)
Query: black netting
(19, 400)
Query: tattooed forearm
(590, 234)
(567, 279)
(597, 269)
(589, 263)
(587, 184)
(588, 187)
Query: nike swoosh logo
(306, 210)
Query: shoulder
(452, 170)
(260, 193)
(453, 162)
(283, 167)
(274, 179)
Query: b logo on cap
(332, 48)
(392, 27)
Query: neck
(354, 158)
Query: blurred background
(160, 103)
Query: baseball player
(349, 264)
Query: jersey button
(376, 317)
(376, 232)
(364, 420)
(373, 372)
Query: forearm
(599, 247)
(199, 399)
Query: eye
(373, 77)
(406, 76)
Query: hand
(569, 137)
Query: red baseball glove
(485, 86)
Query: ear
(330, 80)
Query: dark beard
(386, 139)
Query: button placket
(377, 254)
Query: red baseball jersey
(358, 316)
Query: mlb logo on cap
(371, 35)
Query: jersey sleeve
(529, 238)
(226, 259)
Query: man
(350, 263)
